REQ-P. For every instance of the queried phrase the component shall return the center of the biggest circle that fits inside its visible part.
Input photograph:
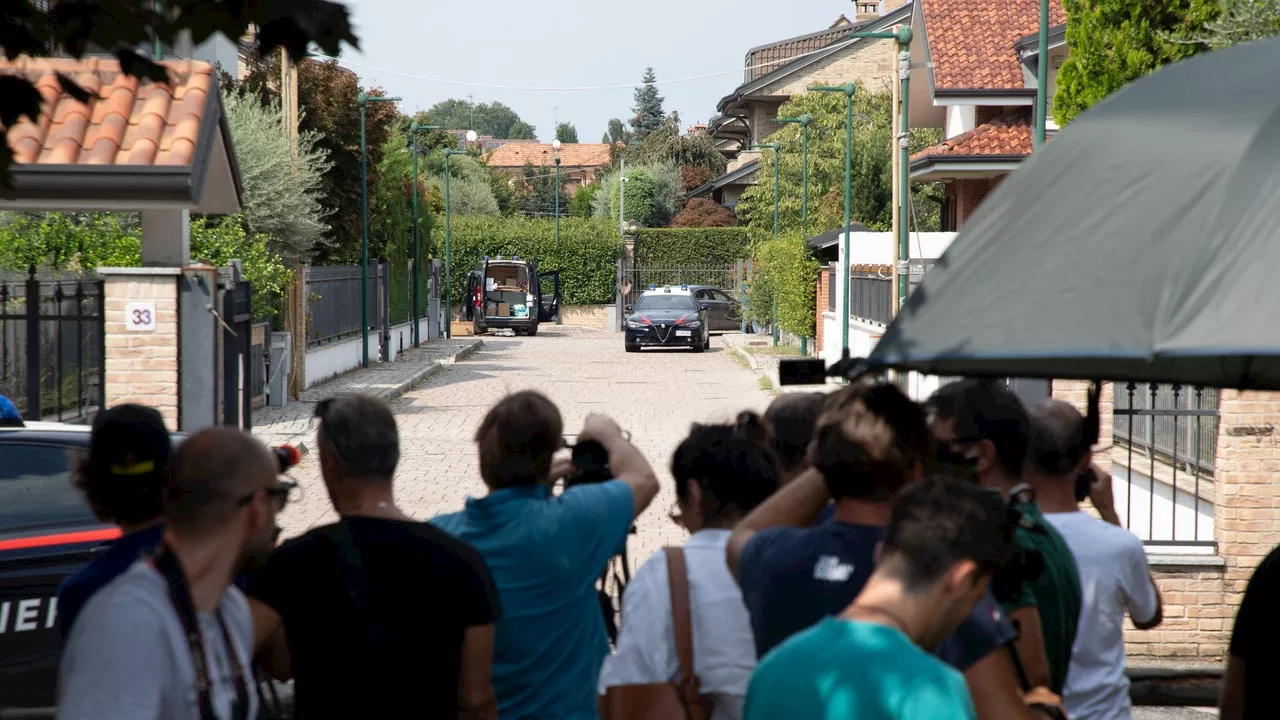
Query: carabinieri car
(667, 317)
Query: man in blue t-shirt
(545, 552)
(796, 567)
(945, 538)
(122, 481)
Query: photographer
(546, 552)
(793, 417)
(171, 637)
(1112, 562)
(982, 423)
(417, 606)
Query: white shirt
(724, 651)
(1114, 577)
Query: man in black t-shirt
(1251, 668)
(376, 615)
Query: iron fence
(1174, 429)
(636, 280)
(52, 346)
(333, 301)
(871, 296)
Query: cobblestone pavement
(655, 395)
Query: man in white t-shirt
(1114, 576)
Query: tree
(280, 192)
(493, 119)
(1114, 42)
(666, 144)
(580, 206)
(325, 92)
(653, 195)
(566, 133)
(1241, 21)
(704, 212)
(617, 133)
(648, 108)
(535, 192)
(470, 186)
(37, 28)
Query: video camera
(287, 456)
(813, 371)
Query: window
(721, 296)
(36, 489)
(650, 303)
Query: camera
(591, 460)
(813, 371)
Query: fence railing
(52, 346)
(871, 296)
(634, 281)
(333, 301)
(1169, 433)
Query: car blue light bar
(653, 287)
(684, 287)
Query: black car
(47, 532)
(511, 294)
(724, 312)
(667, 317)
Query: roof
(1008, 135)
(150, 143)
(517, 154)
(971, 44)
(783, 50)
(728, 178)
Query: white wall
(877, 248)
(960, 119)
(1164, 522)
(332, 359)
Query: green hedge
(785, 268)
(690, 247)
(586, 257)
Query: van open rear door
(548, 295)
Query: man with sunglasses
(172, 636)
(376, 615)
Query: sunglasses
(280, 494)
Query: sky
(570, 43)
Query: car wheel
(633, 348)
(707, 345)
(699, 347)
(533, 330)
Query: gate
(52, 346)
(238, 358)
(633, 281)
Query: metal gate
(238, 357)
(633, 281)
(52, 346)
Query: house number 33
(140, 317)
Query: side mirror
(704, 305)
(627, 309)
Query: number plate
(684, 333)
(140, 317)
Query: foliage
(326, 93)
(704, 212)
(617, 132)
(391, 199)
(1241, 21)
(471, 184)
(280, 192)
(690, 247)
(1114, 42)
(872, 187)
(534, 192)
(693, 177)
(494, 119)
(566, 133)
(586, 256)
(87, 241)
(783, 271)
(654, 194)
(581, 203)
(120, 27)
(648, 113)
(666, 144)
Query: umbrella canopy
(1141, 243)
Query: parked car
(511, 294)
(667, 317)
(47, 532)
(724, 312)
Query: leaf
(72, 88)
(133, 64)
(18, 97)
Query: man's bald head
(212, 472)
(1057, 438)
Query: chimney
(867, 10)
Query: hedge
(784, 266)
(586, 257)
(690, 247)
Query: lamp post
(363, 101)
(414, 129)
(848, 90)
(777, 161)
(803, 122)
(448, 250)
(1042, 75)
(555, 144)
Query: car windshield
(649, 303)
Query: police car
(667, 317)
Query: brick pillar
(142, 338)
(820, 306)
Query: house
(579, 162)
(974, 76)
(778, 70)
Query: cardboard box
(504, 310)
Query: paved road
(655, 395)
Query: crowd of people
(852, 554)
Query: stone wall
(590, 316)
(142, 366)
(871, 64)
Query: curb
(431, 368)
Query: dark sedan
(667, 317)
(724, 312)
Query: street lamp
(448, 251)
(776, 147)
(555, 145)
(414, 129)
(363, 100)
(803, 122)
(1042, 75)
(848, 90)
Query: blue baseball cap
(9, 415)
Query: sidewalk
(757, 353)
(292, 423)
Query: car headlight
(693, 325)
(635, 325)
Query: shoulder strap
(681, 615)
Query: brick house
(775, 72)
(579, 162)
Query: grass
(739, 359)
(779, 351)
(765, 384)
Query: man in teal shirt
(545, 552)
(945, 538)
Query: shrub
(784, 268)
(690, 247)
(704, 212)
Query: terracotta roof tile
(778, 52)
(516, 154)
(124, 122)
(971, 42)
(1009, 134)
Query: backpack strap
(682, 621)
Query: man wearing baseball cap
(122, 480)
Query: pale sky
(572, 43)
